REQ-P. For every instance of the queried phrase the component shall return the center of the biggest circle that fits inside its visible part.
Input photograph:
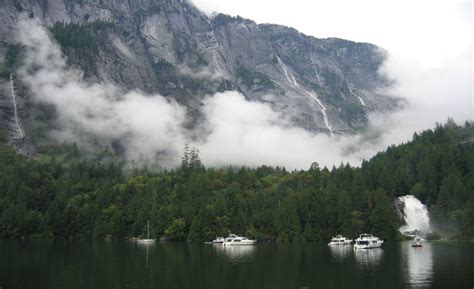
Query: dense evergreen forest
(61, 192)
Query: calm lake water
(101, 265)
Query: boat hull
(146, 241)
(243, 243)
(368, 246)
(345, 243)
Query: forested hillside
(64, 193)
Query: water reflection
(85, 264)
(235, 253)
(368, 258)
(146, 246)
(419, 264)
(340, 253)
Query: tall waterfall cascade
(19, 129)
(415, 214)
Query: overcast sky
(426, 30)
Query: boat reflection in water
(418, 262)
(340, 253)
(368, 258)
(235, 253)
(146, 246)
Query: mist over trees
(63, 193)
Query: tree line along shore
(62, 192)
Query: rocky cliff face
(170, 47)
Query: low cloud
(236, 131)
(432, 94)
(250, 133)
(148, 126)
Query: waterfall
(323, 111)
(415, 215)
(19, 129)
(283, 66)
(356, 95)
(291, 80)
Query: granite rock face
(172, 48)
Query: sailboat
(147, 240)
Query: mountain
(170, 47)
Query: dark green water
(86, 264)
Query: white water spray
(20, 132)
(415, 214)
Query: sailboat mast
(148, 230)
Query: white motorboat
(417, 242)
(147, 240)
(234, 240)
(367, 241)
(339, 240)
(218, 240)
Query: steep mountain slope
(170, 47)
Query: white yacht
(339, 240)
(234, 240)
(367, 241)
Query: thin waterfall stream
(19, 129)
